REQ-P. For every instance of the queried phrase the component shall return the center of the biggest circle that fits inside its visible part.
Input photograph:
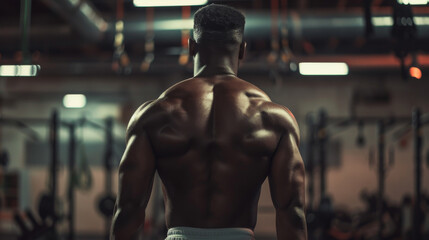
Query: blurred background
(354, 73)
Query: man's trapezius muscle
(213, 139)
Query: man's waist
(190, 233)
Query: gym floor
(73, 72)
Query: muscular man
(213, 139)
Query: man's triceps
(287, 185)
(136, 173)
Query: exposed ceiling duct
(301, 25)
(82, 16)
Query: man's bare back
(213, 142)
(213, 139)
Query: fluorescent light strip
(74, 101)
(414, 2)
(19, 70)
(175, 24)
(388, 21)
(168, 3)
(323, 68)
(382, 21)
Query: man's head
(218, 26)
(218, 23)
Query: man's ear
(242, 52)
(193, 47)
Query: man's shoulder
(155, 111)
(137, 119)
(148, 115)
(279, 118)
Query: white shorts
(189, 233)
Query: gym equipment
(30, 133)
(186, 33)
(82, 177)
(47, 203)
(286, 55)
(4, 158)
(4, 161)
(381, 176)
(310, 160)
(49, 206)
(34, 230)
(321, 145)
(404, 33)
(391, 155)
(70, 192)
(360, 139)
(25, 21)
(383, 125)
(273, 56)
(369, 27)
(427, 158)
(45, 208)
(107, 201)
(25, 230)
(121, 63)
(106, 205)
(371, 157)
(417, 220)
(149, 45)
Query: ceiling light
(74, 101)
(168, 3)
(415, 72)
(323, 68)
(19, 70)
(388, 21)
(413, 2)
(178, 24)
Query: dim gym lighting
(323, 68)
(19, 70)
(74, 101)
(415, 72)
(413, 2)
(168, 3)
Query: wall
(115, 96)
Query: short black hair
(214, 21)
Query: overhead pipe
(167, 27)
(308, 25)
(82, 16)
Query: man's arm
(287, 186)
(136, 172)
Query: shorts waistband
(190, 233)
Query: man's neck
(220, 67)
(207, 71)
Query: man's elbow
(295, 215)
(126, 223)
(298, 217)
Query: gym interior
(72, 73)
